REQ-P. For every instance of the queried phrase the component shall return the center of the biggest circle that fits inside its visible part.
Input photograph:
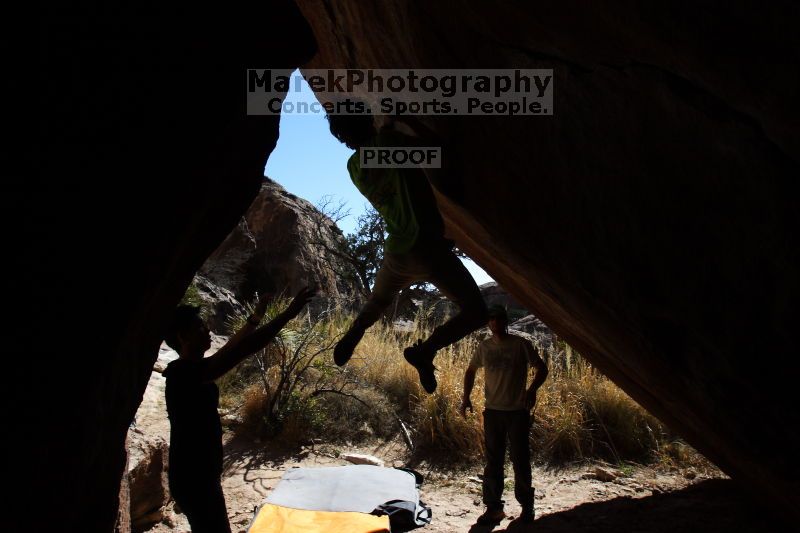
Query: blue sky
(309, 162)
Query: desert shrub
(192, 297)
(581, 414)
(293, 390)
(271, 384)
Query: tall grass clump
(292, 390)
(581, 414)
(294, 387)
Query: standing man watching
(505, 359)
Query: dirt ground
(639, 499)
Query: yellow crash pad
(278, 519)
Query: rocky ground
(585, 497)
(577, 498)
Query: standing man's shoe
(491, 517)
(527, 515)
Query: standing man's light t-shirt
(505, 362)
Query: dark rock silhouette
(143, 160)
(647, 221)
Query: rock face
(148, 451)
(519, 317)
(539, 332)
(147, 481)
(135, 172)
(647, 221)
(219, 301)
(520, 320)
(273, 249)
(494, 294)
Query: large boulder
(134, 166)
(494, 294)
(219, 303)
(648, 221)
(148, 452)
(538, 331)
(147, 481)
(279, 246)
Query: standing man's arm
(469, 383)
(228, 357)
(541, 371)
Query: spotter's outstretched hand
(300, 300)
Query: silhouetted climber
(415, 249)
(505, 359)
(195, 450)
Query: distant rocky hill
(494, 294)
(273, 251)
(520, 319)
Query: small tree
(359, 254)
(365, 246)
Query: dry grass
(580, 414)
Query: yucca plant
(286, 368)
